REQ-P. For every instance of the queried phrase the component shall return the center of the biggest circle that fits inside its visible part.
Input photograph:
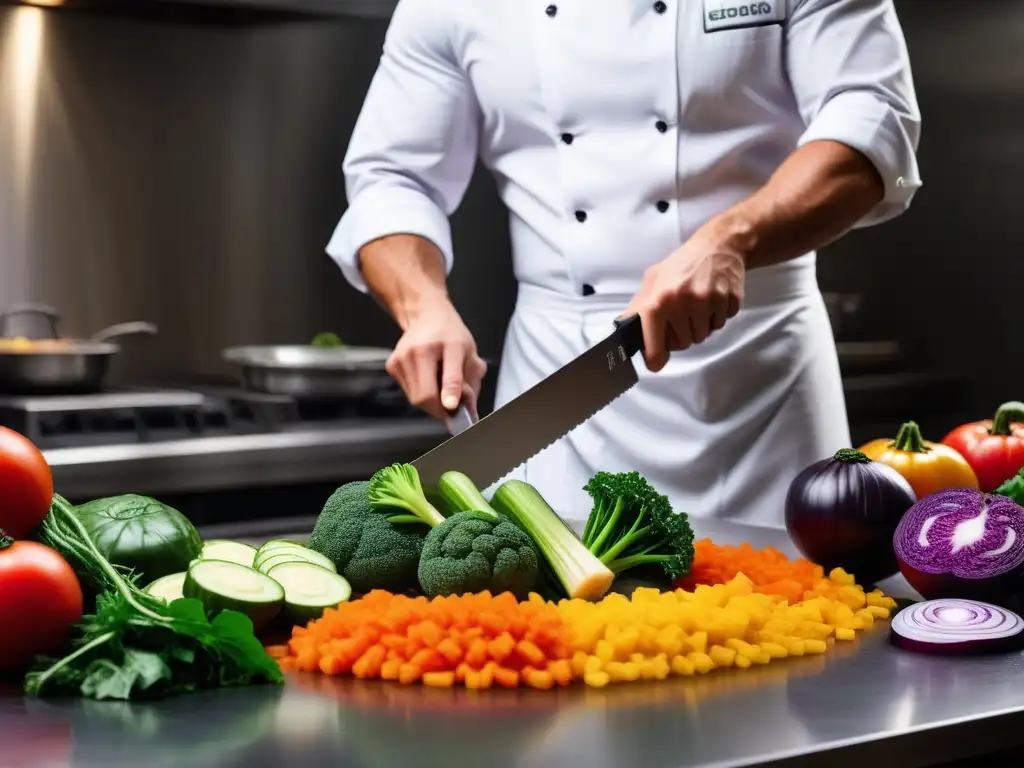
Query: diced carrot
(530, 653)
(439, 679)
(507, 678)
(389, 669)
(409, 673)
(561, 671)
(501, 647)
(450, 650)
(277, 651)
(537, 678)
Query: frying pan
(307, 371)
(57, 365)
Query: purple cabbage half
(965, 544)
(842, 512)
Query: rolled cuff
(384, 211)
(866, 123)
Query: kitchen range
(296, 420)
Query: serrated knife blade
(503, 440)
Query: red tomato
(26, 484)
(994, 447)
(40, 598)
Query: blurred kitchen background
(180, 163)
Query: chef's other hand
(436, 362)
(687, 296)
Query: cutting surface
(861, 704)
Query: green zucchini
(283, 557)
(459, 494)
(223, 585)
(309, 590)
(295, 549)
(275, 543)
(231, 551)
(168, 588)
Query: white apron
(615, 129)
(722, 429)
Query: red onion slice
(956, 626)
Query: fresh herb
(1013, 488)
(137, 646)
(327, 339)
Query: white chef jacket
(615, 128)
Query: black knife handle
(631, 334)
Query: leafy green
(398, 487)
(1013, 488)
(476, 551)
(327, 339)
(136, 646)
(632, 525)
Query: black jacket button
(588, 290)
(551, 10)
(662, 205)
(662, 126)
(581, 215)
(567, 138)
(660, 7)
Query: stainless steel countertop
(310, 454)
(862, 704)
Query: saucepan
(57, 365)
(310, 371)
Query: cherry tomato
(928, 467)
(40, 599)
(995, 447)
(26, 484)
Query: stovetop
(153, 415)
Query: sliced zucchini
(309, 590)
(231, 551)
(275, 543)
(168, 588)
(284, 557)
(223, 585)
(295, 549)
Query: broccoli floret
(476, 551)
(369, 548)
(633, 525)
(399, 487)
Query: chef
(678, 159)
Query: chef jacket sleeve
(850, 71)
(413, 148)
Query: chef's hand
(436, 362)
(687, 296)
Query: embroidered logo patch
(733, 14)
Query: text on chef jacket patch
(740, 14)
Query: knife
(494, 446)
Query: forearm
(405, 273)
(816, 195)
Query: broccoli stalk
(399, 487)
(632, 525)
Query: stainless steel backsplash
(189, 173)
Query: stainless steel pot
(312, 372)
(57, 365)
